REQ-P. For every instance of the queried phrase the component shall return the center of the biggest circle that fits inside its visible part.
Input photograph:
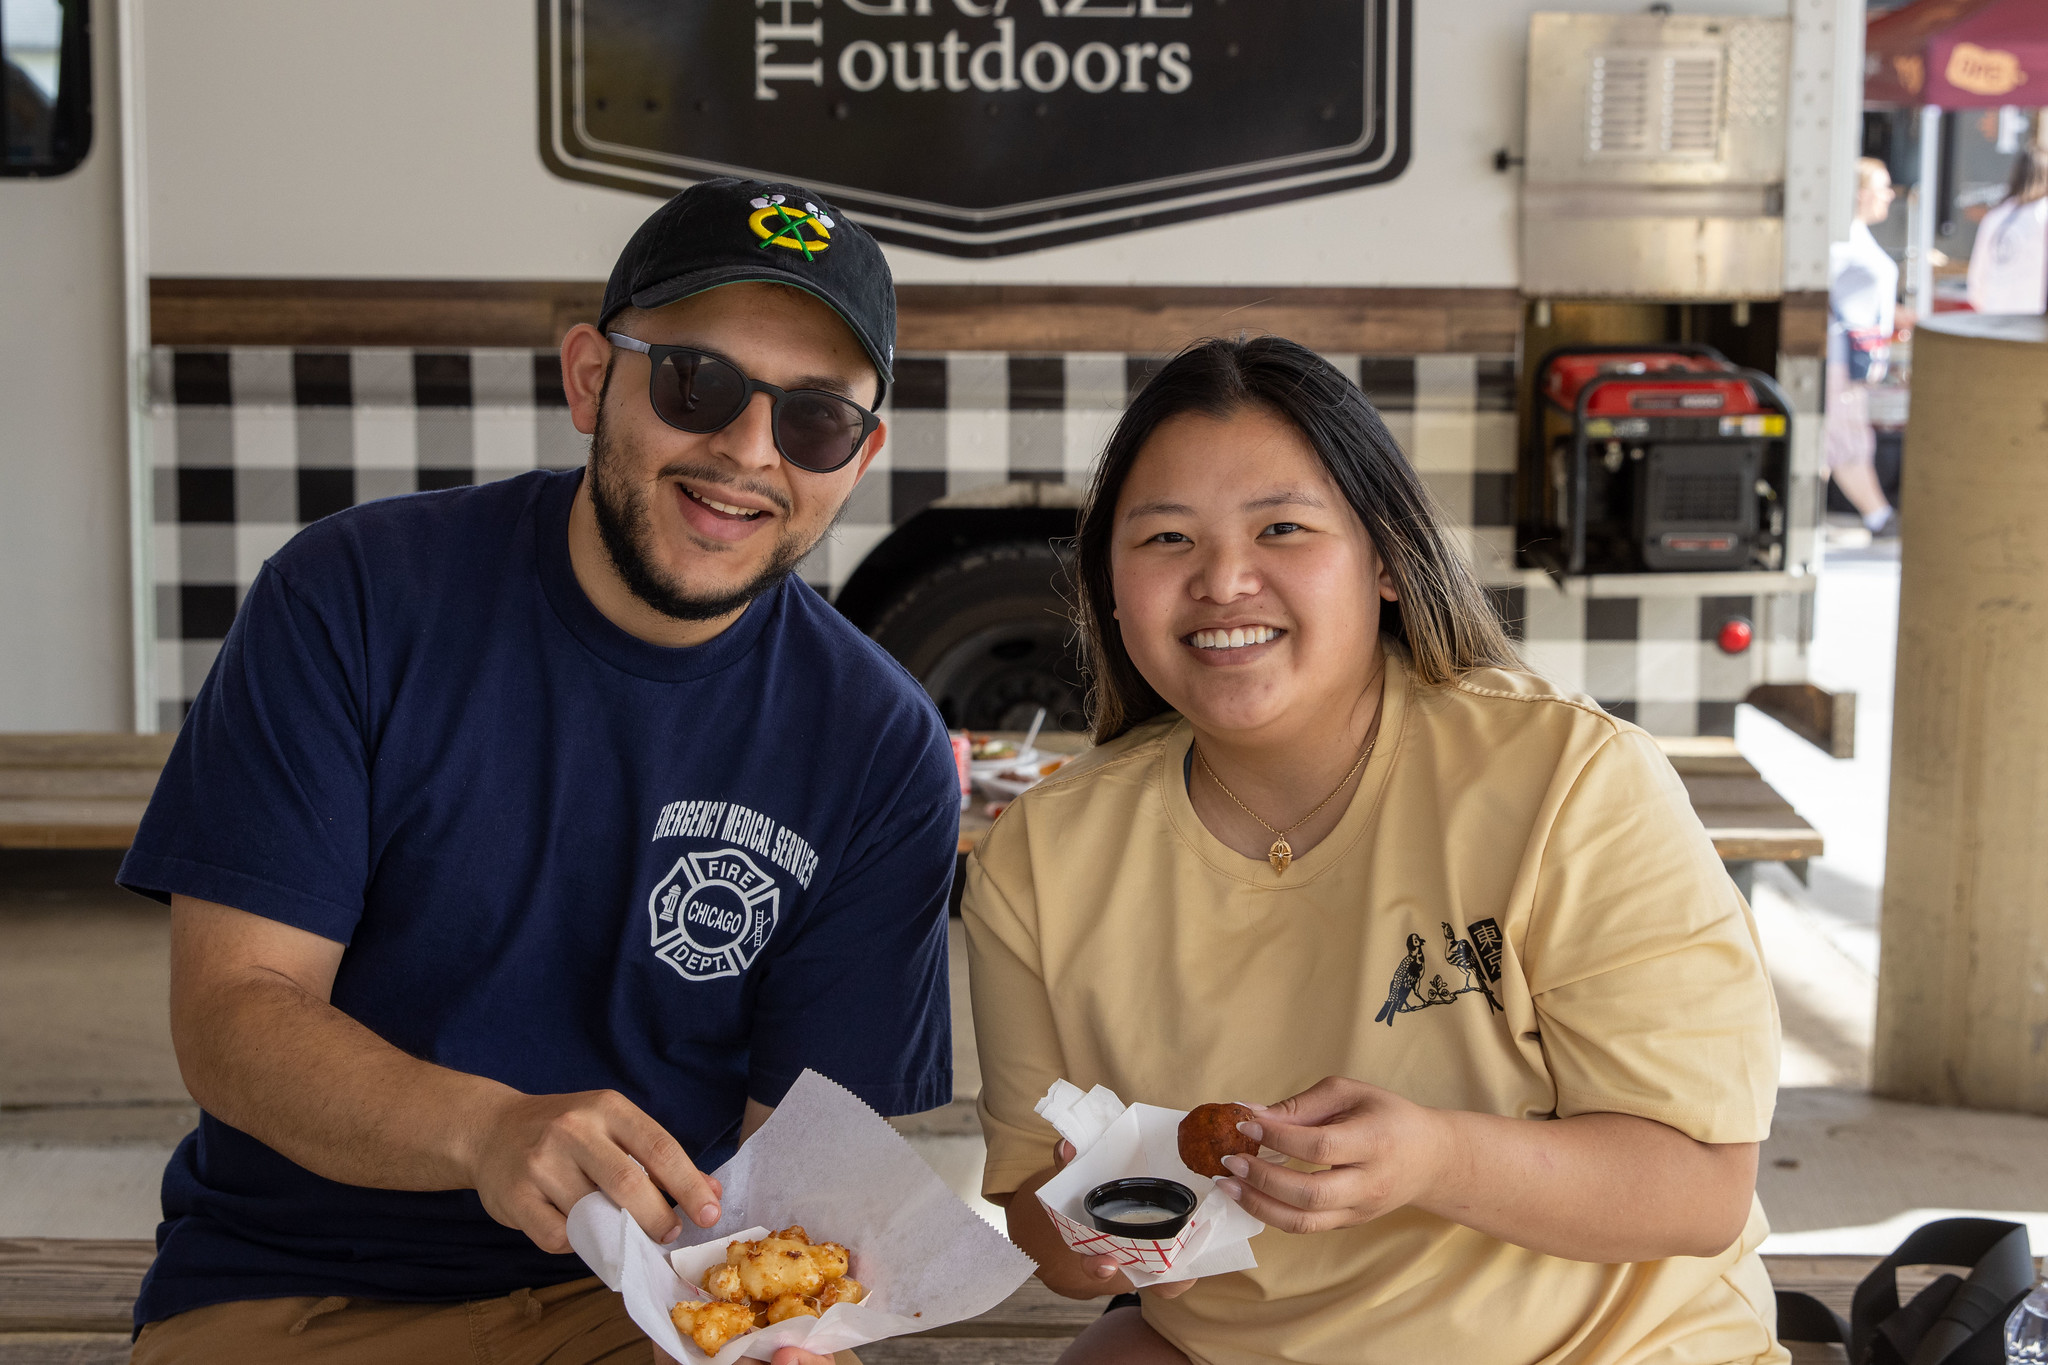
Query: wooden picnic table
(76, 791)
(89, 791)
(69, 1301)
(1747, 820)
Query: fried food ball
(712, 1325)
(832, 1259)
(1209, 1133)
(724, 1283)
(792, 1306)
(736, 1251)
(776, 1266)
(795, 1233)
(841, 1290)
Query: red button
(1736, 635)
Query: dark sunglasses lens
(696, 392)
(816, 430)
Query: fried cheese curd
(772, 1280)
(712, 1325)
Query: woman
(2009, 263)
(1337, 854)
(1863, 317)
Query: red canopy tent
(1958, 54)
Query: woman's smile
(1230, 646)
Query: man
(530, 839)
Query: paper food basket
(1115, 1141)
(827, 1161)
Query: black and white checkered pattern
(251, 443)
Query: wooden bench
(67, 1303)
(1747, 820)
(76, 791)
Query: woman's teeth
(1234, 639)
(748, 512)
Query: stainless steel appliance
(1655, 163)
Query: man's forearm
(265, 1055)
(1597, 1187)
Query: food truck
(271, 261)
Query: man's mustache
(711, 474)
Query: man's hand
(535, 1155)
(787, 1355)
(1383, 1153)
(1064, 1270)
(262, 1048)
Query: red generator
(1660, 457)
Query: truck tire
(991, 637)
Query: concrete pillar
(1962, 1006)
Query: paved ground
(91, 1103)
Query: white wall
(64, 603)
(389, 139)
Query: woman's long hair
(1443, 619)
(2029, 179)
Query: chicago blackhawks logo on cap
(776, 223)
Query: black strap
(1899, 1337)
(1802, 1317)
(2001, 1273)
(1953, 1321)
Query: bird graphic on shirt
(1459, 954)
(1406, 977)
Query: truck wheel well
(932, 537)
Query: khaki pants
(579, 1323)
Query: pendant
(1280, 854)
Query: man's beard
(624, 526)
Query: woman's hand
(1062, 1269)
(1591, 1187)
(1383, 1153)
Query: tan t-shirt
(1518, 914)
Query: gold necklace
(1282, 853)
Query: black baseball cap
(729, 231)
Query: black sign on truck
(984, 127)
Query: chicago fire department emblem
(712, 914)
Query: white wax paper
(827, 1161)
(1114, 1142)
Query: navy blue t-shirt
(559, 857)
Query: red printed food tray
(1114, 1141)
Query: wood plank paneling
(1162, 320)
(64, 1348)
(961, 1351)
(50, 1284)
(454, 313)
(77, 790)
(69, 824)
(68, 1301)
(212, 312)
(1033, 1311)
(85, 750)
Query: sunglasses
(697, 392)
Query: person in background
(2009, 264)
(1863, 320)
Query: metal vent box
(1656, 156)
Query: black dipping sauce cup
(1110, 1207)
